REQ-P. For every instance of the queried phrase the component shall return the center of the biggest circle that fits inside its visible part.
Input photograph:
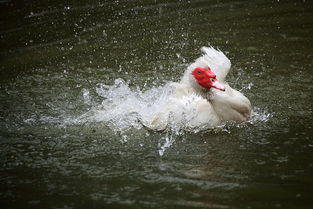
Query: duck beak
(218, 85)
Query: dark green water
(61, 59)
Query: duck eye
(199, 72)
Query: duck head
(206, 78)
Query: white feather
(205, 108)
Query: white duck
(202, 98)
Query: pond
(75, 74)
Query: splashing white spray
(124, 108)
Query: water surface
(63, 62)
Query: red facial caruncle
(206, 78)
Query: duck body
(194, 105)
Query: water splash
(124, 108)
(86, 96)
(168, 139)
(260, 115)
